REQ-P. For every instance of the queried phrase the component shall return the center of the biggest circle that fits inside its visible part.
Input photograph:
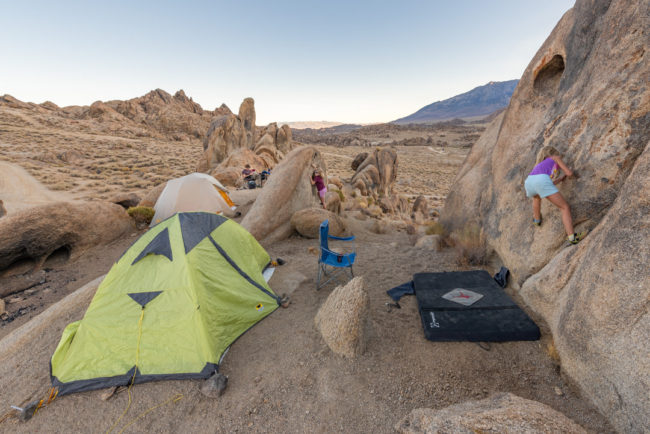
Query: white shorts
(539, 185)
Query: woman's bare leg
(537, 207)
(558, 200)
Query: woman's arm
(563, 166)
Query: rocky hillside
(479, 101)
(156, 114)
(586, 93)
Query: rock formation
(287, 191)
(307, 222)
(504, 412)
(35, 233)
(156, 114)
(376, 175)
(586, 93)
(233, 141)
(341, 319)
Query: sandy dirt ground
(283, 377)
(19, 190)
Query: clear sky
(349, 61)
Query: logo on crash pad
(259, 307)
(463, 296)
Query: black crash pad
(492, 318)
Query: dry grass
(471, 246)
(141, 214)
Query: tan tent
(193, 192)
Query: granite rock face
(287, 191)
(232, 138)
(586, 93)
(503, 412)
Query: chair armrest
(331, 237)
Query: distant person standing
(317, 180)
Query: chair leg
(320, 269)
(351, 272)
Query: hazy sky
(351, 61)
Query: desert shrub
(471, 246)
(340, 193)
(435, 228)
(141, 214)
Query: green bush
(435, 228)
(141, 214)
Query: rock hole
(59, 256)
(548, 77)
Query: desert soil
(283, 377)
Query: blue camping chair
(331, 263)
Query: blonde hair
(546, 152)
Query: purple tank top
(546, 167)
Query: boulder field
(586, 93)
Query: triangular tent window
(196, 226)
(158, 246)
(142, 298)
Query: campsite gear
(169, 308)
(330, 258)
(492, 318)
(502, 277)
(193, 192)
(251, 184)
(401, 290)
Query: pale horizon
(368, 62)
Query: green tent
(169, 308)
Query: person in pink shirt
(542, 181)
(317, 180)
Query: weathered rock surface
(126, 200)
(152, 196)
(3, 211)
(341, 319)
(287, 191)
(332, 202)
(35, 233)
(360, 158)
(376, 175)
(231, 135)
(586, 93)
(503, 412)
(307, 222)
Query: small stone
(214, 386)
(14, 300)
(31, 291)
(558, 391)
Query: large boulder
(307, 222)
(226, 134)
(376, 175)
(585, 92)
(503, 412)
(341, 320)
(35, 233)
(287, 191)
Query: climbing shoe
(537, 222)
(576, 237)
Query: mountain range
(479, 101)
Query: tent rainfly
(169, 308)
(193, 192)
